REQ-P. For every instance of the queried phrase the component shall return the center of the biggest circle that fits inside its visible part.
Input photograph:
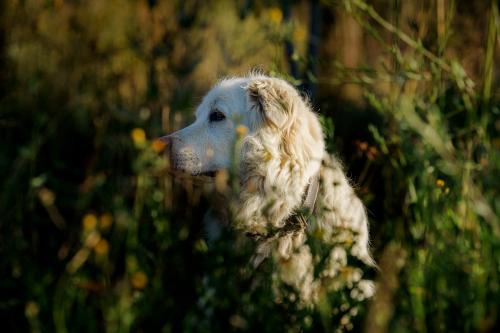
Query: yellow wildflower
(139, 280)
(275, 15)
(440, 183)
(241, 131)
(89, 222)
(46, 196)
(138, 136)
(158, 145)
(105, 221)
(102, 247)
(31, 309)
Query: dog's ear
(275, 100)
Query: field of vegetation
(97, 235)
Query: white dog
(284, 172)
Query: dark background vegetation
(94, 237)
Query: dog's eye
(216, 116)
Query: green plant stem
(490, 50)
(400, 34)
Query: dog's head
(267, 114)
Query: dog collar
(298, 220)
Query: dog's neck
(299, 219)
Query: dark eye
(216, 116)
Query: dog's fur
(280, 150)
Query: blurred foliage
(95, 236)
